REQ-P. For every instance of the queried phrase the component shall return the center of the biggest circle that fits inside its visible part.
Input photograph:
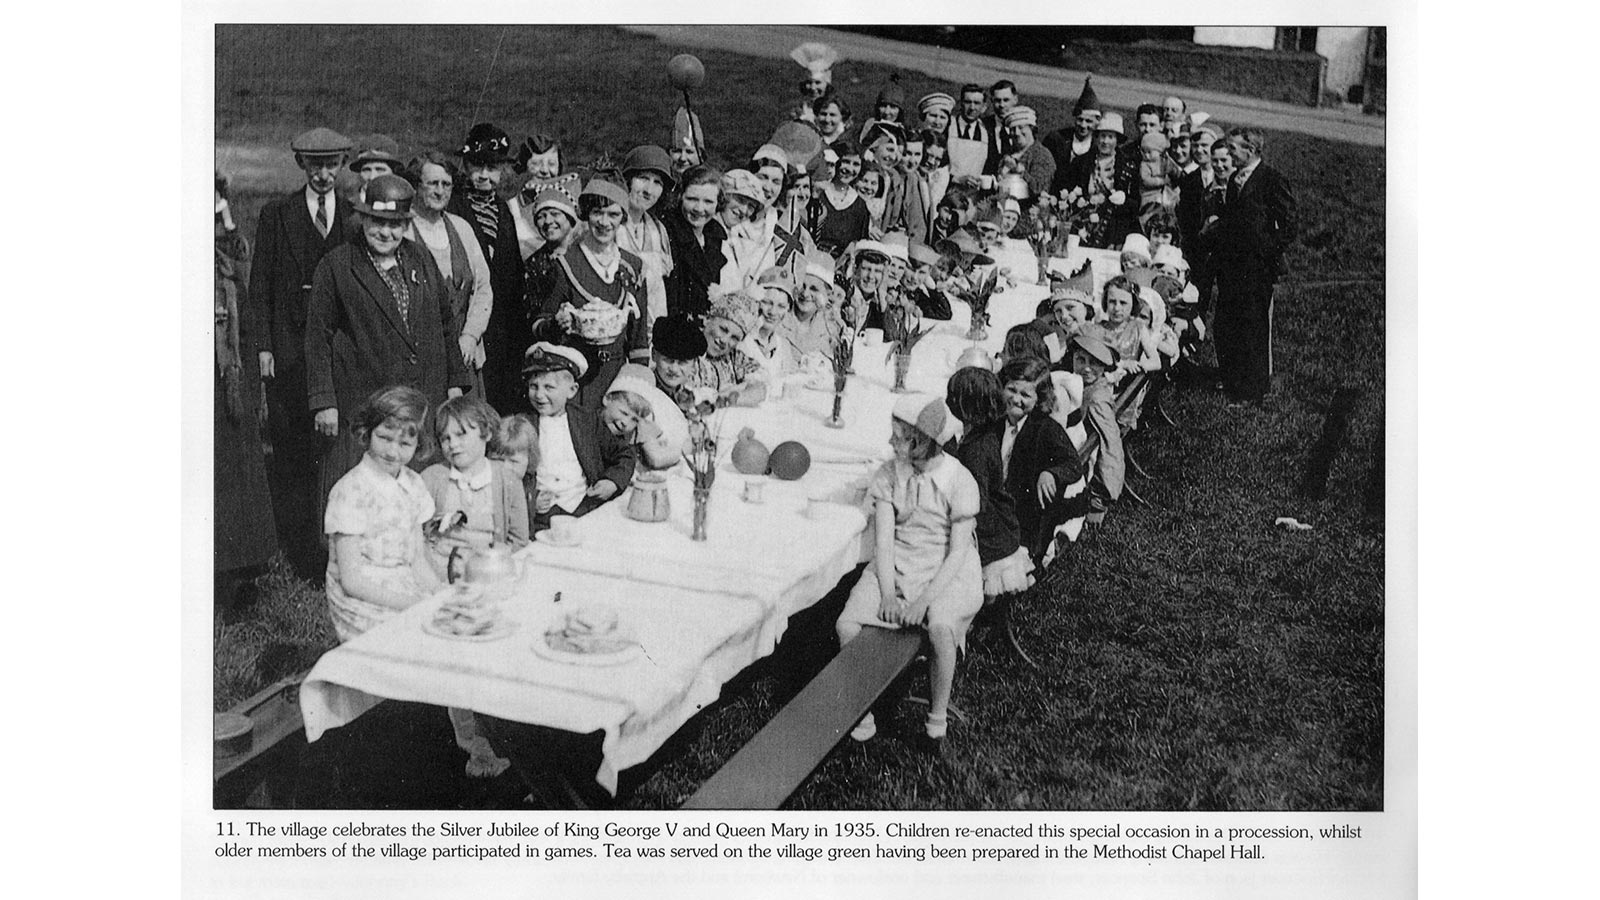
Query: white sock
(864, 729)
(937, 725)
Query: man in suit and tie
(1256, 226)
(293, 233)
(1002, 99)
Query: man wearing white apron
(969, 138)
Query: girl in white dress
(926, 570)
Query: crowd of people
(481, 338)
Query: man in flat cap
(293, 233)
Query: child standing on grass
(377, 563)
(1040, 464)
(974, 396)
(479, 501)
(926, 571)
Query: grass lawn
(1194, 656)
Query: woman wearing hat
(696, 236)
(596, 306)
(539, 158)
(935, 109)
(788, 218)
(1111, 182)
(376, 154)
(889, 108)
(769, 341)
(647, 174)
(841, 215)
(379, 315)
(449, 238)
(817, 59)
(555, 218)
(815, 324)
(485, 156)
(1028, 157)
(747, 250)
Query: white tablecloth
(702, 610)
(783, 553)
(692, 641)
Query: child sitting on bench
(926, 570)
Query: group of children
(960, 519)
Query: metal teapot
(486, 566)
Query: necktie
(322, 214)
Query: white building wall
(1346, 52)
(1236, 36)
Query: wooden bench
(783, 753)
(275, 715)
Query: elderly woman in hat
(696, 235)
(647, 174)
(841, 215)
(554, 211)
(379, 315)
(449, 238)
(596, 307)
(486, 156)
(538, 158)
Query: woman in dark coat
(243, 526)
(379, 315)
(486, 155)
(696, 235)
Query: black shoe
(927, 746)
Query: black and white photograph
(882, 417)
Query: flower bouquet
(702, 459)
(844, 349)
(902, 331)
(978, 300)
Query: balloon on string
(686, 72)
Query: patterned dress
(386, 514)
